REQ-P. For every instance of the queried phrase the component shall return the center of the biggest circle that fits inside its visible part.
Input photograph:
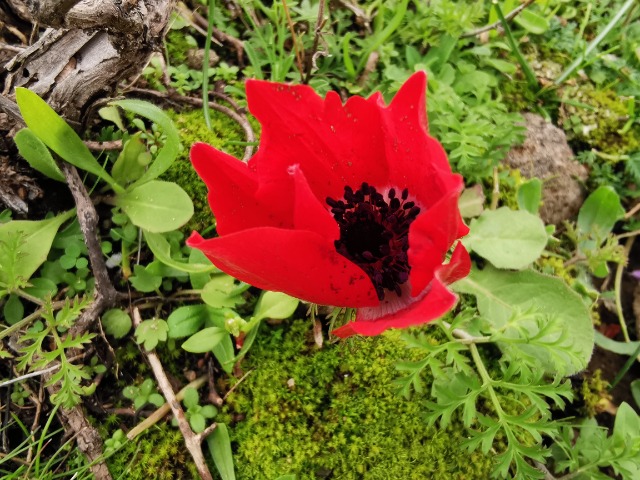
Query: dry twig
(192, 440)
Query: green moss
(178, 46)
(159, 454)
(333, 413)
(597, 117)
(192, 128)
(594, 393)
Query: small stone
(545, 154)
(195, 58)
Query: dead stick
(191, 440)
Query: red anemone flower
(349, 205)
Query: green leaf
(197, 422)
(132, 161)
(507, 238)
(151, 332)
(275, 305)
(162, 251)
(36, 153)
(205, 340)
(56, 134)
(190, 398)
(529, 196)
(24, 246)
(112, 114)
(635, 391)
(187, 320)
(116, 322)
(501, 295)
(41, 288)
(532, 22)
(220, 448)
(13, 310)
(143, 280)
(222, 291)
(157, 206)
(599, 213)
(171, 148)
(621, 348)
(471, 203)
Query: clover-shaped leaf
(150, 332)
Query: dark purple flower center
(374, 234)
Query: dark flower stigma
(374, 234)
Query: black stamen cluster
(374, 234)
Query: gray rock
(545, 154)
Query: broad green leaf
(275, 305)
(151, 332)
(171, 148)
(532, 22)
(501, 295)
(56, 134)
(220, 448)
(24, 246)
(222, 291)
(507, 238)
(204, 340)
(599, 213)
(626, 427)
(156, 206)
(471, 203)
(132, 161)
(143, 280)
(529, 196)
(621, 348)
(162, 251)
(187, 320)
(112, 114)
(13, 310)
(36, 153)
(116, 322)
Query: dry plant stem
(495, 193)
(316, 40)
(105, 295)
(238, 117)
(100, 146)
(369, 67)
(294, 39)
(512, 14)
(214, 397)
(632, 212)
(162, 411)
(191, 439)
(220, 36)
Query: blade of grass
(596, 41)
(526, 68)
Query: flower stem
(487, 382)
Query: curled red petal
(432, 234)
(300, 263)
(436, 302)
(308, 212)
(232, 192)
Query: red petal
(416, 160)
(431, 235)
(458, 267)
(308, 212)
(334, 144)
(300, 263)
(437, 301)
(232, 191)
